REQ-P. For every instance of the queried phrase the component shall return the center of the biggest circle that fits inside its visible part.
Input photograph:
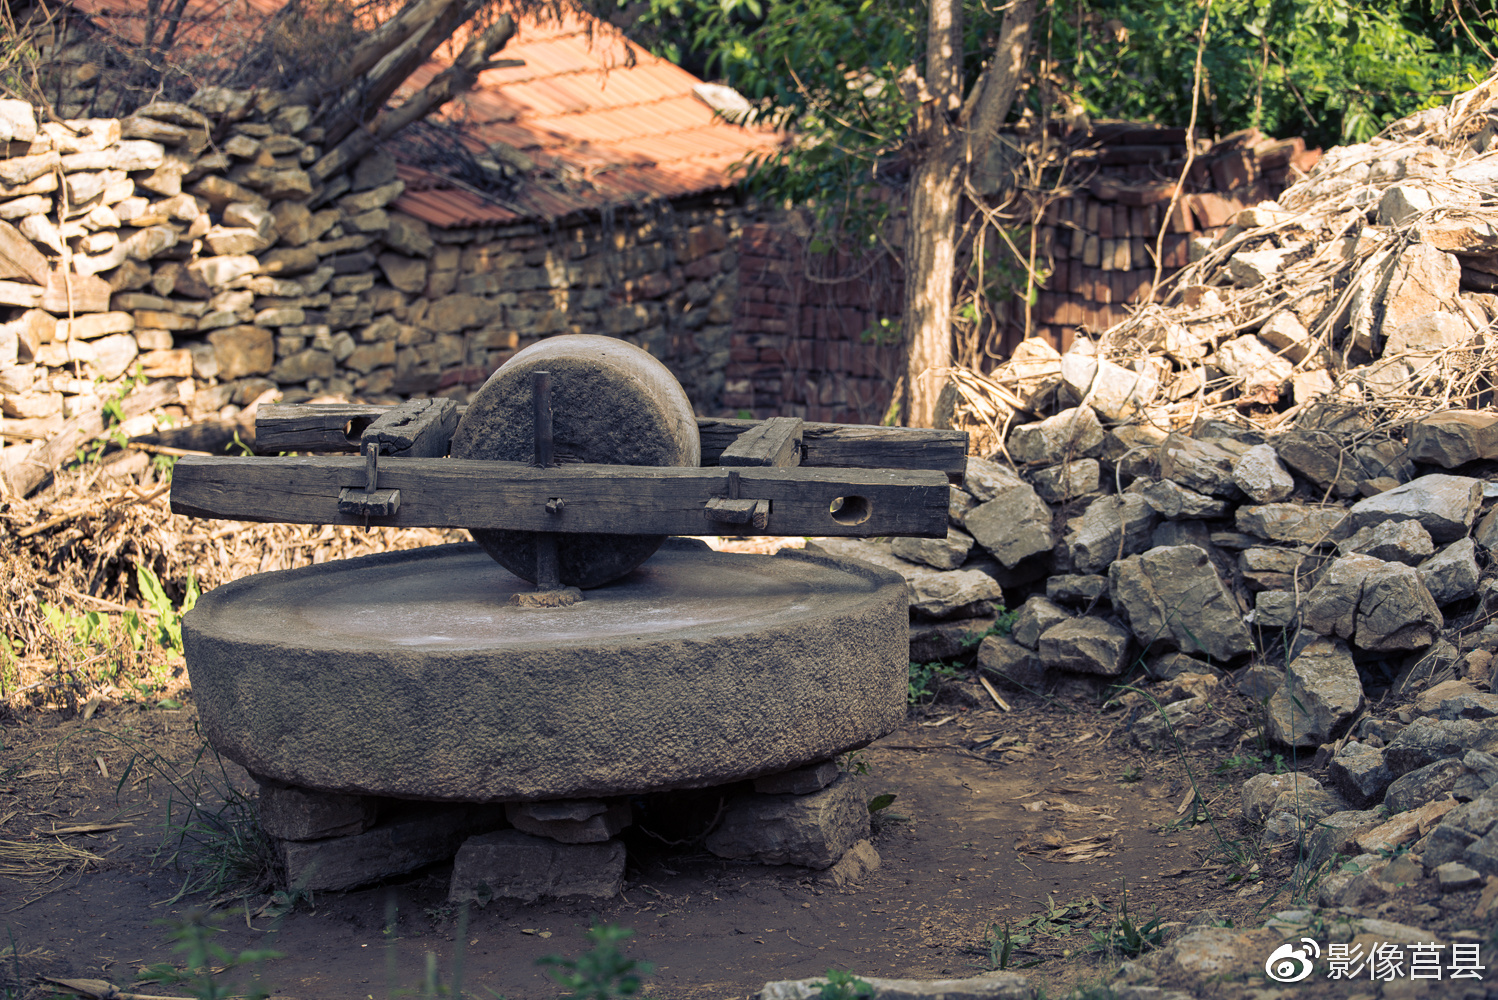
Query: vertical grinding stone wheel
(612, 404)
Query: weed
(1002, 625)
(168, 618)
(602, 972)
(1131, 774)
(843, 985)
(203, 960)
(1123, 937)
(853, 763)
(883, 801)
(926, 679)
(1000, 946)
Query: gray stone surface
(1445, 505)
(1424, 784)
(1175, 502)
(1013, 526)
(1454, 876)
(1111, 527)
(1035, 616)
(395, 846)
(1259, 793)
(938, 553)
(509, 864)
(936, 594)
(1003, 657)
(801, 781)
(1296, 523)
(1337, 832)
(1076, 588)
(1425, 741)
(1181, 533)
(1454, 438)
(1321, 695)
(986, 480)
(612, 404)
(1073, 433)
(765, 663)
(943, 640)
(1395, 611)
(959, 502)
(1275, 609)
(574, 821)
(1261, 476)
(1203, 466)
(1392, 541)
(989, 986)
(1067, 481)
(1086, 646)
(1173, 597)
(289, 813)
(1451, 574)
(1331, 608)
(1266, 567)
(809, 830)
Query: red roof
(607, 132)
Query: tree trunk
(936, 188)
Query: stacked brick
(807, 338)
(1100, 239)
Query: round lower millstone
(406, 674)
(613, 404)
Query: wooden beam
(338, 426)
(611, 499)
(775, 442)
(417, 428)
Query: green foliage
(213, 834)
(925, 680)
(168, 617)
(843, 985)
(601, 973)
(881, 801)
(193, 937)
(1123, 937)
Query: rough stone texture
(1453, 438)
(1424, 784)
(289, 813)
(932, 593)
(1454, 876)
(1302, 524)
(1321, 694)
(1035, 616)
(508, 864)
(986, 480)
(1175, 502)
(1015, 525)
(1067, 481)
(801, 781)
(859, 861)
(1259, 793)
(1444, 504)
(1074, 433)
(770, 662)
(1076, 588)
(1426, 741)
(1006, 658)
(612, 404)
(1203, 466)
(1451, 574)
(1462, 829)
(403, 843)
(1173, 597)
(1275, 609)
(1112, 390)
(959, 502)
(579, 821)
(989, 986)
(1423, 280)
(943, 640)
(1331, 608)
(1392, 541)
(1085, 645)
(1395, 610)
(808, 830)
(1111, 527)
(939, 553)
(1259, 366)
(1338, 832)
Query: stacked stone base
(813, 816)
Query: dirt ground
(976, 839)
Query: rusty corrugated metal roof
(607, 122)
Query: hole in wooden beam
(354, 429)
(850, 510)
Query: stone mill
(506, 703)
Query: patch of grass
(843, 985)
(602, 972)
(926, 680)
(1124, 937)
(1131, 774)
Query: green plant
(1123, 937)
(854, 762)
(203, 960)
(1000, 945)
(882, 801)
(1131, 774)
(168, 617)
(925, 680)
(843, 985)
(602, 972)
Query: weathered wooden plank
(337, 426)
(313, 427)
(417, 428)
(613, 499)
(775, 442)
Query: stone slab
(406, 674)
(810, 830)
(394, 847)
(801, 781)
(508, 864)
(288, 813)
